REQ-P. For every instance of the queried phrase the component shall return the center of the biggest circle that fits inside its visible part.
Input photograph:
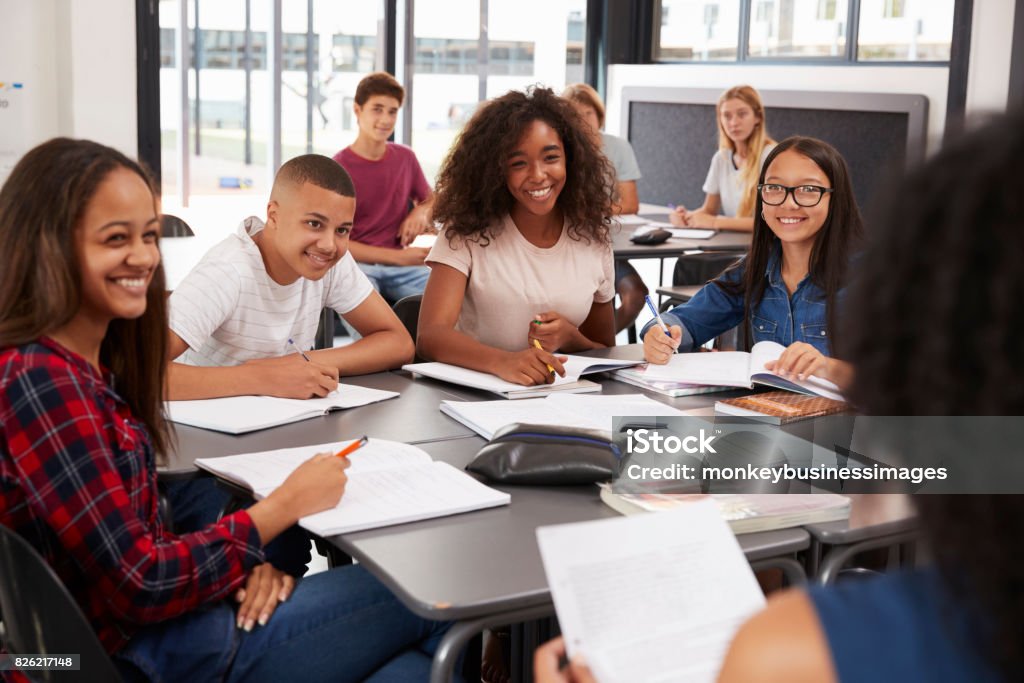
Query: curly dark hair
(839, 238)
(935, 321)
(471, 192)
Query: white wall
(76, 61)
(988, 77)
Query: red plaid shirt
(78, 481)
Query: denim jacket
(777, 317)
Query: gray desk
(412, 417)
(843, 542)
(723, 240)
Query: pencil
(657, 316)
(352, 447)
(537, 344)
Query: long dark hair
(935, 320)
(837, 240)
(472, 193)
(41, 206)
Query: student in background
(628, 284)
(788, 287)
(241, 317)
(743, 146)
(394, 197)
(933, 329)
(82, 305)
(524, 198)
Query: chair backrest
(41, 617)
(172, 226)
(408, 311)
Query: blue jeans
(339, 625)
(198, 503)
(396, 282)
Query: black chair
(41, 617)
(172, 226)
(408, 311)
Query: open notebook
(575, 366)
(737, 369)
(388, 483)
(565, 410)
(652, 597)
(240, 414)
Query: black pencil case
(548, 455)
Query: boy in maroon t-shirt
(388, 181)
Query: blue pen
(301, 353)
(657, 316)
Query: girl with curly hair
(786, 289)
(525, 260)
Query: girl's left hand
(264, 589)
(552, 331)
(801, 360)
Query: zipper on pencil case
(611, 446)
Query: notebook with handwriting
(388, 483)
(240, 414)
(575, 366)
(738, 369)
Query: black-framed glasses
(804, 195)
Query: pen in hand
(301, 352)
(661, 323)
(352, 447)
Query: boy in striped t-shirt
(241, 316)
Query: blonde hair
(758, 140)
(581, 93)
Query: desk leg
(461, 632)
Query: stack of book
(780, 407)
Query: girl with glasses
(743, 145)
(788, 287)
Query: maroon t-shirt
(383, 190)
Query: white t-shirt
(511, 281)
(229, 310)
(725, 181)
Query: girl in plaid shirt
(82, 304)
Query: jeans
(198, 503)
(338, 625)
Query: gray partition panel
(674, 134)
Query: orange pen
(352, 447)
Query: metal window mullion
(197, 47)
(247, 59)
(743, 47)
(183, 120)
(309, 76)
(404, 61)
(483, 52)
(274, 74)
(852, 30)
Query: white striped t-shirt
(228, 309)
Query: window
(888, 30)
(695, 30)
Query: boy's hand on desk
(547, 661)
(264, 589)
(800, 360)
(415, 224)
(530, 367)
(658, 346)
(292, 376)
(552, 330)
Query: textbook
(574, 367)
(780, 407)
(745, 512)
(240, 414)
(737, 369)
(652, 598)
(388, 483)
(637, 376)
(564, 410)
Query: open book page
(564, 410)
(574, 367)
(650, 597)
(267, 470)
(765, 351)
(344, 397)
(725, 368)
(237, 414)
(395, 496)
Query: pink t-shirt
(383, 190)
(511, 280)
